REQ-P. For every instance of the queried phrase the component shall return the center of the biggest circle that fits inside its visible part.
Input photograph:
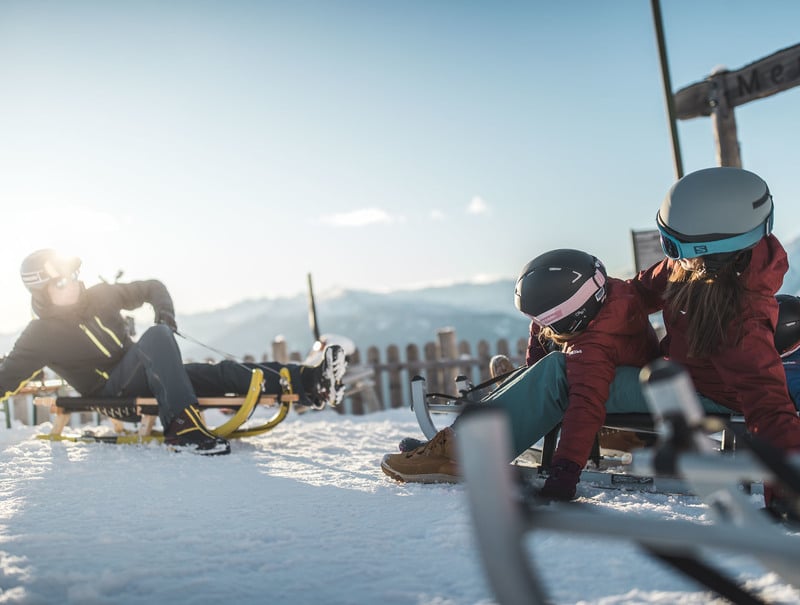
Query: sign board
(646, 248)
(762, 78)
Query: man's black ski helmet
(42, 266)
(714, 211)
(787, 332)
(562, 289)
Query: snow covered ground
(301, 515)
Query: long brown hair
(711, 294)
(549, 337)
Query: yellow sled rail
(144, 410)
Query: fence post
(356, 399)
(280, 351)
(412, 359)
(395, 386)
(373, 359)
(465, 352)
(522, 349)
(502, 347)
(484, 355)
(434, 377)
(449, 350)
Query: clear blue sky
(228, 148)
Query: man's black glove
(166, 317)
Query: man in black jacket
(81, 335)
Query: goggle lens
(63, 282)
(676, 249)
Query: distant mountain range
(476, 312)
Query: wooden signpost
(715, 96)
(719, 93)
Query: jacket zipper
(95, 340)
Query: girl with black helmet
(598, 324)
(787, 342)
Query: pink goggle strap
(574, 302)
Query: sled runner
(504, 509)
(144, 411)
(609, 466)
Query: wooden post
(432, 373)
(356, 400)
(718, 94)
(280, 351)
(374, 358)
(395, 386)
(412, 357)
(655, 6)
(465, 352)
(522, 351)
(484, 355)
(723, 123)
(502, 347)
(449, 350)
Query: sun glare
(72, 230)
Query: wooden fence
(439, 362)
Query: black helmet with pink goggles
(561, 289)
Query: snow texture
(300, 515)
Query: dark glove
(781, 506)
(166, 317)
(564, 477)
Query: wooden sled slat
(146, 409)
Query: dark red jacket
(620, 335)
(747, 377)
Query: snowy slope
(301, 515)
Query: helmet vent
(762, 201)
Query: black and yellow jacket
(82, 343)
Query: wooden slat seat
(144, 410)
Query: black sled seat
(425, 404)
(144, 411)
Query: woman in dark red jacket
(717, 292)
(736, 364)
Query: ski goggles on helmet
(63, 282)
(568, 316)
(676, 248)
(59, 272)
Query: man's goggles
(676, 248)
(62, 271)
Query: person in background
(80, 334)
(787, 342)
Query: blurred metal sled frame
(505, 510)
